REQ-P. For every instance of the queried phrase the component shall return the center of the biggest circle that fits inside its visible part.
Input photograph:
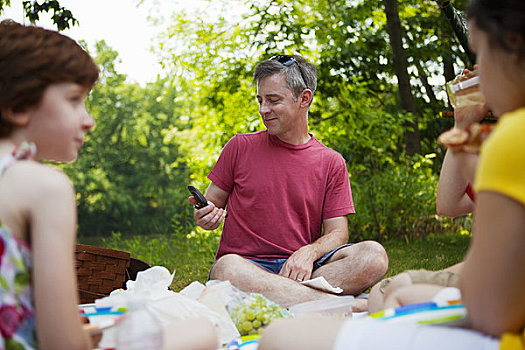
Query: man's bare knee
(378, 262)
(224, 268)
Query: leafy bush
(396, 200)
(127, 178)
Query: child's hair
(33, 58)
(503, 21)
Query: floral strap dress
(17, 323)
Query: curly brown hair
(32, 58)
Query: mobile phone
(201, 200)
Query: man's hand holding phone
(198, 198)
(206, 214)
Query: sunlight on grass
(191, 256)
(434, 252)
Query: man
(288, 197)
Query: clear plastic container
(335, 307)
(464, 91)
(140, 329)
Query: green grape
(255, 312)
(247, 326)
(266, 319)
(250, 315)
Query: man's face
(280, 110)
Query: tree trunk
(411, 137)
(448, 67)
(448, 71)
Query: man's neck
(295, 139)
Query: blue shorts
(276, 265)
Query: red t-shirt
(279, 194)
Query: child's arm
(451, 198)
(52, 221)
(195, 334)
(492, 280)
(380, 292)
(305, 333)
(412, 294)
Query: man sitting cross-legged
(288, 197)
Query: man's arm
(211, 216)
(299, 265)
(217, 195)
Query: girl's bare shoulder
(35, 179)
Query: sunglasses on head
(288, 60)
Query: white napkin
(151, 284)
(322, 284)
(168, 306)
(193, 290)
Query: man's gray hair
(299, 75)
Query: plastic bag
(250, 312)
(168, 306)
(254, 312)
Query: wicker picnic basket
(99, 271)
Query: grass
(435, 252)
(192, 256)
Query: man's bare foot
(360, 305)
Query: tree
(127, 178)
(400, 66)
(62, 17)
(355, 109)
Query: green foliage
(394, 200)
(127, 178)
(355, 111)
(394, 194)
(4, 4)
(61, 17)
(210, 62)
(150, 142)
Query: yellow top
(511, 341)
(502, 162)
(502, 169)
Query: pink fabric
(279, 194)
